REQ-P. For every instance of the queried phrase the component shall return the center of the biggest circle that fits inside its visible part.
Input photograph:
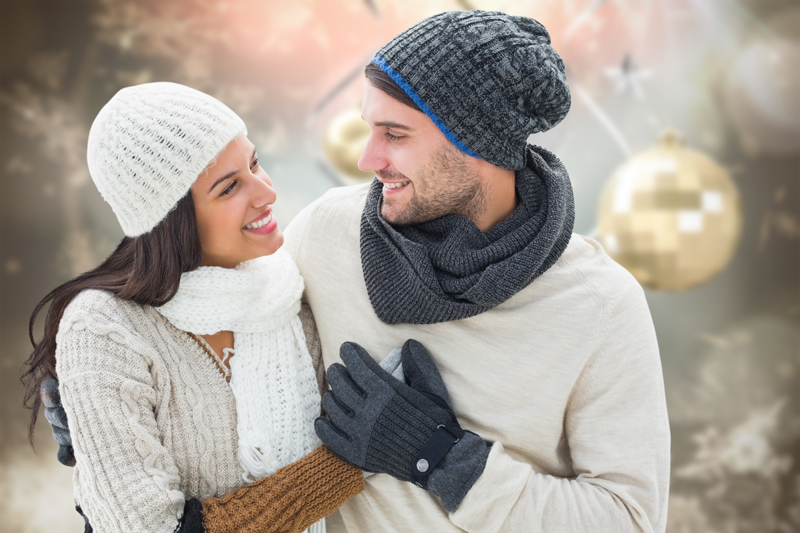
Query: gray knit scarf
(446, 269)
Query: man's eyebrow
(394, 125)
(228, 175)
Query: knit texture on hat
(447, 269)
(488, 80)
(148, 145)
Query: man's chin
(388, 215)
(396, 217)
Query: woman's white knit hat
(148, 145)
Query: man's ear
(483, 166)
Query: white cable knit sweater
(144, 396)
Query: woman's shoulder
(97, 300)
(100, 306)
(98, 328)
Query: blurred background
(683, 145)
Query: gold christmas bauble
(344, 142)
(671, 216)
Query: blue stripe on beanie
(398, 79)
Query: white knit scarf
(272, 375)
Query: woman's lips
(264, 225)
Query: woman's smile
(263, 225)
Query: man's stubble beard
(445, 186)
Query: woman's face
(233, 201)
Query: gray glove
(409, 431)
(57, 417)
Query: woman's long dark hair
(145, 269)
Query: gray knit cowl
(447, 269)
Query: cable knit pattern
(152, 421)
(259, 301)
(206, 473)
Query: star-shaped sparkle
(629, 77)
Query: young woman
(172, 429)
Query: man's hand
(55, 414)
(57, 417)
(407, 431)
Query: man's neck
(501, 197)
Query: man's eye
(393, 137)
(229, 188)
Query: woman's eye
(229, 188)
(255, 164)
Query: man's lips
(392, 187)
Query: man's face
(424, 175)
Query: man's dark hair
(380, 80)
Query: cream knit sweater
(145, 397)
(564, 378)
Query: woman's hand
(57, 417)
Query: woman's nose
(264, 193)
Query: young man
(463, 242)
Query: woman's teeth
(396, 185)
(261, 223)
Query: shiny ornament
(344, 142)
(671, 216)
(762, 97)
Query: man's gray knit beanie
(488, 80)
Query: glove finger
(66, 455)
(56, 416)
(334, 438)
(62, 436)
(346, 391)
(338, 413)
(421, 372)
(362, 367)
(48, 391)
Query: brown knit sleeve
(314, 346)
(288, 501)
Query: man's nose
(373, 157)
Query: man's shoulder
(346, 202)
(588, 263)
(338, 210)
